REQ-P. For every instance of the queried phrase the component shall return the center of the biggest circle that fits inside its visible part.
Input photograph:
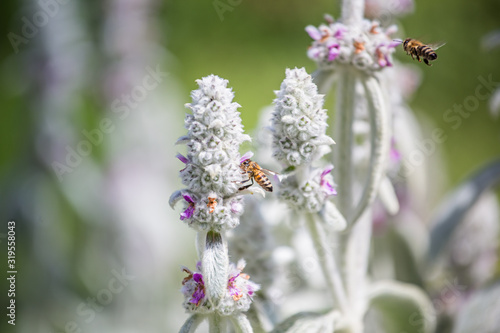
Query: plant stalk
(329, 266)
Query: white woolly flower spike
(366, 46)
(299, 120)
(299, 138)
(212, 173)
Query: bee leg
(427, 62)
(244, 181)
(246, 186)
(418, 58)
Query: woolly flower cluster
(212, 173)
(299, 121)
(299, 127)
(367, 47)
(309, 193)
(237, 298)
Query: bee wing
(436, 46)
(269, 172)
(276, 176)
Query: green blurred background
(251, 46)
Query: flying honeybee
(416, 48)
(254, 171)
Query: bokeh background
(108, 215)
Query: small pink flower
(199, 291)
(327, 187)
(333, 53)
(313, 32)
(188, 212)
(182, 158)
(234, 291)
(340, 30)
(248, 155)
(394, 153)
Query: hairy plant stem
(241, 323)
(192, 323)
(323, 79)
(356, 258)
(344, 118)
(216, 323)
(352, 11)
(329, 266)
(379, 142)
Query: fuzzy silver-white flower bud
(212, 173)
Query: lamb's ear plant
(216, 290)
(352, 54)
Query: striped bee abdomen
(263, 181)
(420, 51)
(427, 52)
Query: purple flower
(382, 53)
(339, 29)
(199, 292)
(394, 153)
(333, 53)
(313, 32)
(234, 291)
(248, 155)
(199, 286)
(188, 212)
(182, 158)
(327, 187)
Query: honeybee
(255, 172)
(418, 49)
